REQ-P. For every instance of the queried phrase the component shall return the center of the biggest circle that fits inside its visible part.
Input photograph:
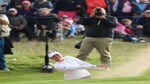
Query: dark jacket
(66, 5)
(28, 14)
(49, 20)
(145, 22)
(17, 20)
(8, 46)
(100, 27)
(38, 5)
(116, 13)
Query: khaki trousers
(102, 45)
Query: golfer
(73, 68)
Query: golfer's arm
(66, 68)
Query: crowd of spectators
(38, 18)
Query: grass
(26, 69)
(80, 82)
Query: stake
(47, 67)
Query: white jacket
(73, 68)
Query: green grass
(79, 82)
(26, 69)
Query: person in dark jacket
(144, 23)
(29, 13)
(42, 4)
(46, 23)
(99, 35)
(114, 7)
(66, 7)
(18, 24)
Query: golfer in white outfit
(73, 68)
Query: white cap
(147, 11)
(51, 54)
(12, 9)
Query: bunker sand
(135, 67)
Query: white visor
(51, 54)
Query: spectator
(114, 8)
(42, 4)
(72, 67)
(18, 24)
(79, 28)
(127, 9)
(128, 26)
(64, 26)
(93, 4)
(15, 4)
(29, 13)
(144, 23)
(72, 31)
(124, 31)
(3, 5)
(46, 23)
(4, 32)
(54, 5)
(81, 8)
(99, 35)
(140, 6)
(119, 30)
(66, 7)
(4, 2)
